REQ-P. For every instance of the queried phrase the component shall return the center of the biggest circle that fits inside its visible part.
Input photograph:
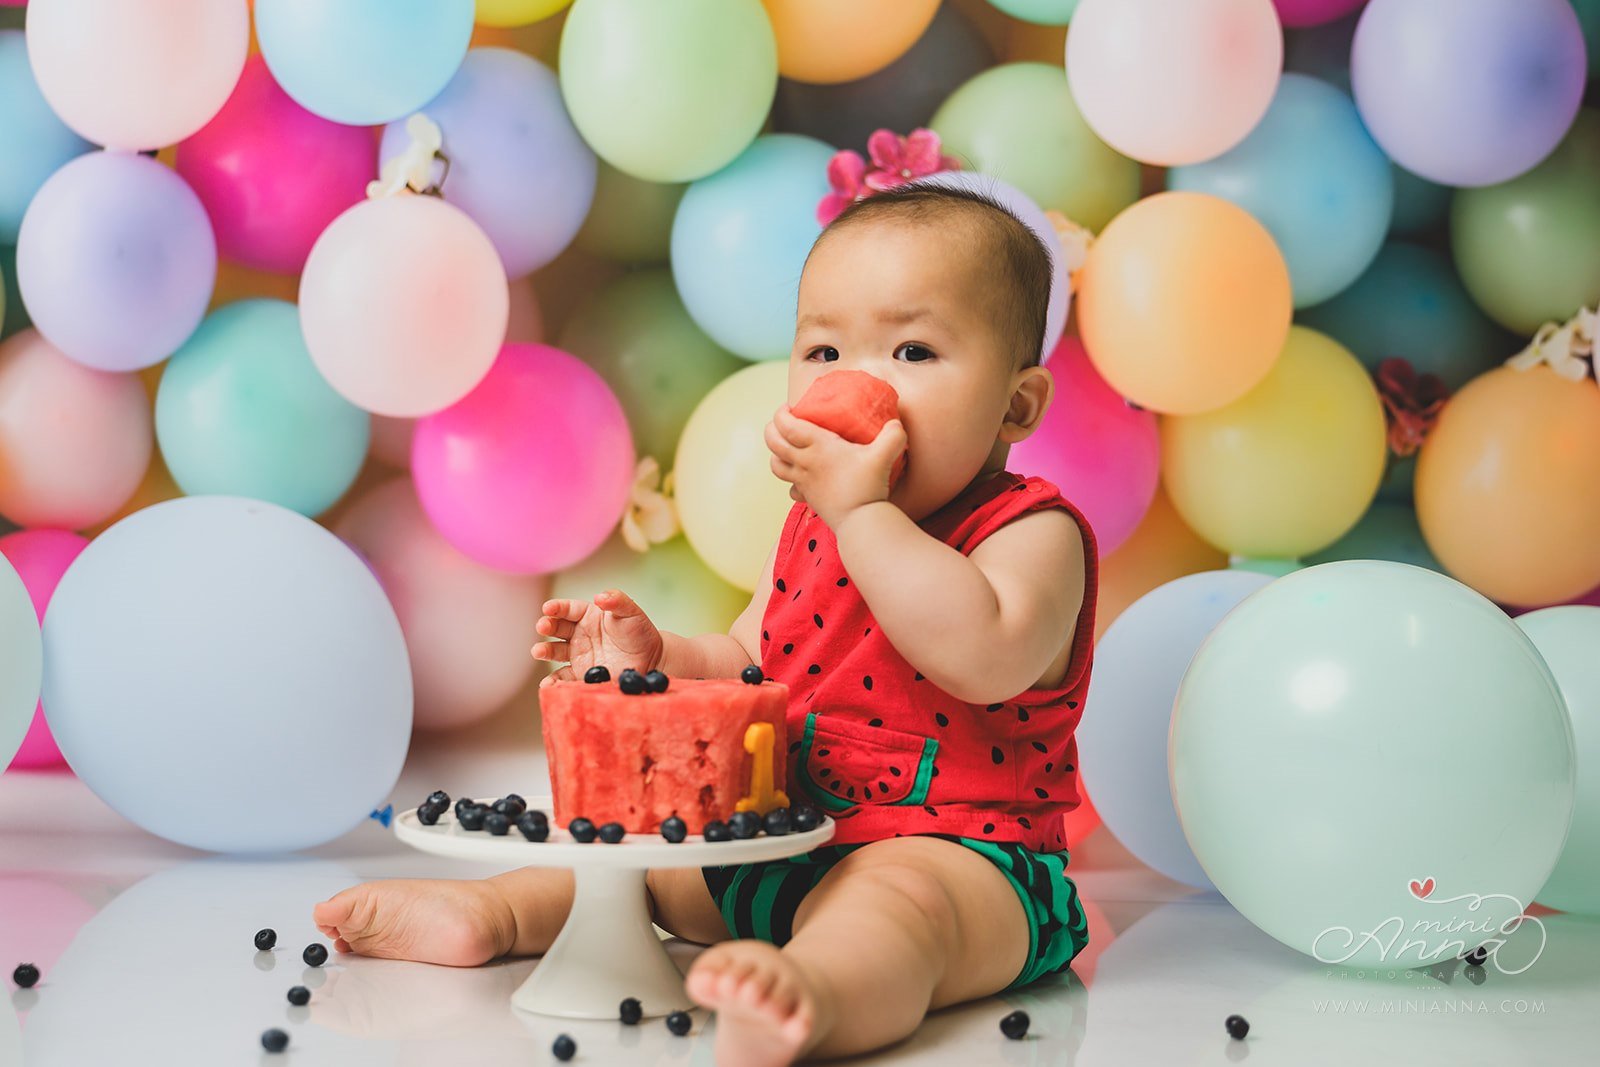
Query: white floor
(145, 949)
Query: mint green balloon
(668, 92)
(1568, 638)
(679, 592)
(242, 411)
(1388, 531)
(1357, 726)
(21, 662)
(1018, 122)
(1044, 12)
(631, 220)
(1273, 568)
(1529, 249)
(638, 335)
(1589, 18)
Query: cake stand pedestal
(608, 948)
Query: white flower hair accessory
(1567, 349)
(652, 515)
(413, 168)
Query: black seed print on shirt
(931, 810)
(817, 619)
(1023, 819)
(1040, 793)
(823, 752)
(988, 827)
(867, 681)
(811, 545)
(1022, 714)
(815, 668)
(883, 787)
(796, 596)
(835, 786)
(994, 707)
(917, 677)
(765, 636)
(868, 633)
(941, 718)
(1048, 767)
(842, 582)
(874, 722)
(1066, 767)
(936, 772)
(818, 562)
(1072, 703)
(996, 755)
(794, 746)
(851, 792)
(781, 587)
(811, 694)
(788, 647)
(1039, 746)
(824, 773)
(895, 771)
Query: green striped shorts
(759, 900)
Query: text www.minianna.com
(1403, 1006)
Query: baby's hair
(1023, 281)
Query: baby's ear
(1031, 393)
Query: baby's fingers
(560, 629)
(556, 652)
(619, 604)
(570, 610)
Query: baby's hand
(613, 632)
(832, 475)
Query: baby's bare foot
(430, 920)
(766, 1008)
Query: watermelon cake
(689, 747)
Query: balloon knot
(1567, 349)
(412, 169)
(652, 515)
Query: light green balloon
(21, 662)
(1329, 745)
(242, 411)
(1387, 531)
(1529, 249)
(631, 220)
(1018, 122)
(678, 591)
(1044, 12)
(1589, 18)
(668, 92)
(1568, 638)
(638, 335)
(1275, 568)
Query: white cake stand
(608, 949)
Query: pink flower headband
(896, 160)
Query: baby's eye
(828, 353)
(915, 353)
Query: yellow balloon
(730, 503)
(1289, 467)
(516, 12)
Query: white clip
(413, 168)
(1567, 349)
(1075, 242)
(652, 516)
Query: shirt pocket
(842, 763)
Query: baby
(936, 639)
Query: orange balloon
(1184, 303)
(1506, 486)
(245, 283)
(1162, 549)
(828, 41)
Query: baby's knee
(681, 904)
(921, 891)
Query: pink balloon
(40, 557)
(1104, 455)
(1298, 13)
(272, 175)
(532, 471)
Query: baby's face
(898, 302)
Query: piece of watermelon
(855, 405)
(638, 759)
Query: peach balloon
(468, 628)
(137, 74)
(1506, 486)
(74, 442)
(1174, 83)
(830, 41)
(156, 487)
(1162, 549)
(1184, 303)
(404, 305)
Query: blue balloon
(1421, 207)
(1388, 531)
(228, 675)
(33, 142)
(363, 62)
(741, 237)
(1314, 178)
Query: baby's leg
(895, 929)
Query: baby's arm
(982, 627)
(721, 655)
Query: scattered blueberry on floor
(274, 1040)
(299, 996)
(630, 1011)
(679, 1023)
(25, 975)
(1015, 1025)
(315, 955)
(265, 939)
(1237, 1027)
(563, 1048)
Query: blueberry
(582, 831)
(630, 1011)
(315, 955)
(752, 675)
(428, 814)
(679, 1022)
(510, 806)
(631, 682)
(716, 830)
(1015, 1025)
(674, 829)
(778, 822)
(1237, 1027)
(655, 682)
(274, 1040)
(438, 797)
(612, 832)
(463, 804)
(533, 825)
(25, 975)
(496, 824)
(803, 817)
(265, 939)
(299, 996)
(563, 1048)
(472, 818)
(516, 798)
(596, 675)
(744, 824)
(1477, 957)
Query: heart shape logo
(1421, 889)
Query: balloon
(1388, 531)
(363, 62)
(994, 124)
(1045, 12)
(638, 335)
(678, 591)
(76, 441)
(741, 237)
(203, 646)
(137, 76)
(1526, 249)
(1184, 303)
(272, 175)
(1472, 92)
(21, 662)
(1505, 486)
(1314, 12)
(13, 316)
(1313, 177)
(831, 41)
(1160, 550)
(40, 557)
(1288, 468)
(517, 165)
(1104, 455)
(468, 628)
(631, 220)
(516, 12)
(1321, 51)
(1174, 83)
(668, 92)
(116, 261)
(902, 96)
(731, 505)
(1410, 304)
(242, 411)
(1420, 206)
(1566, 637)
(542, 436)
(404, 305)
(36, 143)
(1313, 703)
(1588, 12)
(1123, 746)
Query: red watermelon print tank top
(883, 750)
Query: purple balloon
(518, 167)
(1468, 92)
(116, 261)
